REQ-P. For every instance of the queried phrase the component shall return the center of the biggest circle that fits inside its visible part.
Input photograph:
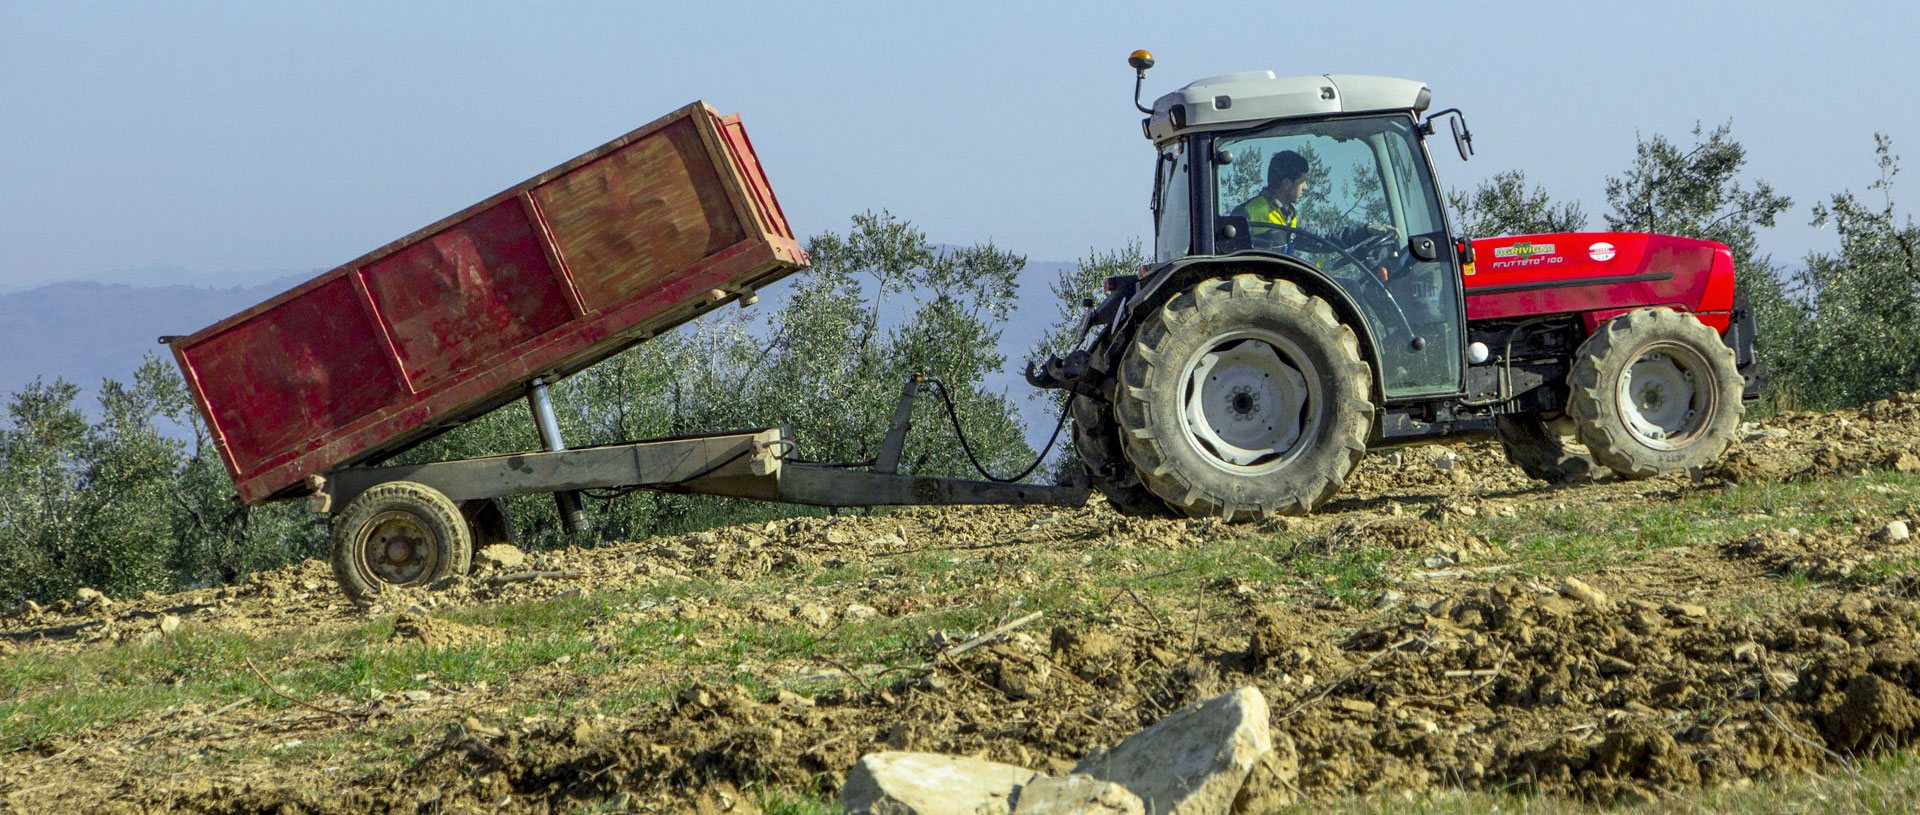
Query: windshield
(1347, 196)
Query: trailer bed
(542, 280)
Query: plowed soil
(1722, 650)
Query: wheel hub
(1244, 403)
(1659, 399)
(397, 548)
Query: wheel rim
(1663, 396)
(1249, 400)
(397, 548)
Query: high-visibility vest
(1261, 208)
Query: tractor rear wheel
(1655, 391)
(1535, 445)
(1243, 397)
(1097, 439)
(398, 534)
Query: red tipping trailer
(306, 393)
(548, 277)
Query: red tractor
(1307, 301)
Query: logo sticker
(1600, 251)
(1524, 249)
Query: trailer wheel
(1533, 444)
(398, 534)
(1243, 397)
(1655, 391)
(1097, 439)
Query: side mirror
(1462, 137)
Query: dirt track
(1703, 659)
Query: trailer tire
(1243, 397)
(1097, 439)
(398, 534)
(1655, 391)
(1532, 445)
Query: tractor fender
(1165, 281)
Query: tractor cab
(1330, 176)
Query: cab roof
(1237, 100)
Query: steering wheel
(1347, 253)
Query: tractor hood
(1598, 275)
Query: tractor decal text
(1523, 250)
(1526, 253)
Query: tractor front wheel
(1243, 397)
(1655, 391)
(398, 534)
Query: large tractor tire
(1243, 397)
(1097, 439)
(1655, 391)
(1535, 445)
(398, 534)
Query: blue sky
(277, 137)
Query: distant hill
(85, 332)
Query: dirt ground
(1703, 663)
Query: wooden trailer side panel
(543, 279)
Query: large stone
(1076, 795)
(1194, 761)
(930, 784)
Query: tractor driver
(1279, 204)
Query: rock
(1355, 705)
(839, 537)
(894, 783)
(1193, 761)
(169, 624)
(500, 556)
(1076, 795)
(1388, 598)
(1894, 532)
(1445, 462)
(86, 599)
(1689, 611)
(1576, 589)
(814, 614)
(856, 613)
(1274, 782)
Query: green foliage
(120, 505)
(1864, 299)
(1502, 205)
